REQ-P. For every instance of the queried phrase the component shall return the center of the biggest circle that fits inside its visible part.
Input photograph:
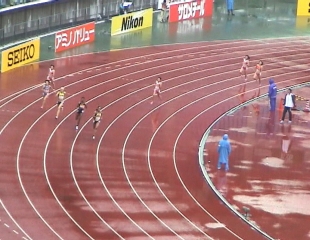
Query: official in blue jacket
(230, 7)
(224, 150)
(272, 94)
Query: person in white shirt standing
(289, 103)
(164, 9)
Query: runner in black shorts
(80, 109)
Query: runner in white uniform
(46, 88)
(245, 65)
(51, 75)
(157, 89)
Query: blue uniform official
(224, 150)
(230, 6)
(272, 94)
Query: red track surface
(140, 178)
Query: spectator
(121, 8)
(289, 102)
(272, 94)
(127, 5)
(224, 150)
(164, 9)
(124, 7)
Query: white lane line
(113, 79)
(14, 221)
(68, 85)
(59, 125)
(201, 162)
(123, 157)
(27, 196)
(174, 151)
(123, 148)
(109, 126)
(43, 115)
(91, 68)
(38, 85)
(99, 144)
(193, 119)
(130, 59)
(84, 79)
(81, 71)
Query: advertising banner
(132, 21)
(20, 55)
(303, 8)
(303, 22)
(74, 37)
(190, 10)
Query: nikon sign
(20, 55)
(132, 21)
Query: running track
(140, 178)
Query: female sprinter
(80, 109)
(46, 88)
(60, 100)
(51, 75)
(245, 65)
(96, 120)
(157, 89)
(258, 71)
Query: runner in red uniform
(258, 71)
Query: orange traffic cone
(280, 106)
